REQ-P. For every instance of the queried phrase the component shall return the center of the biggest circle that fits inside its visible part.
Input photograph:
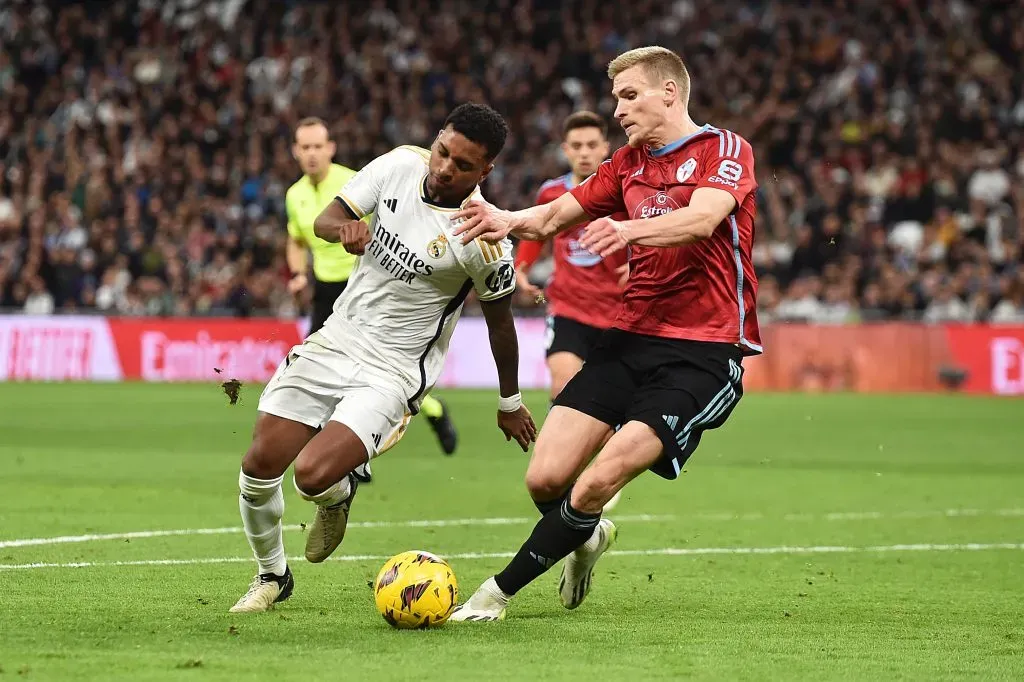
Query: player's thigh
(563, 366)
(276, 442)
(564, 447)
(682, 403)
(597, 398)
(603, 387)
(329, 456)
(373, 418)
(633, 449)
(295, 402)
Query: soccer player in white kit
(347, 393)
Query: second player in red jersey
(670, 369)
(585, 289)
(584, 286)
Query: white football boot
(486, 605)
(578, 567)
(265, 590)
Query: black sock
(545, 507)
(559, 532)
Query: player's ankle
(495, 590)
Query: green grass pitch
(829, 537)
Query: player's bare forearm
(708, 208)
(501, 330)
(328, 224)
(686, 227)
(480, 220)
(532, 224)
(538, 223)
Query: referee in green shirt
(332, 264)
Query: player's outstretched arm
(486, 221)
(336, 224)
(707, 209)
(514, 419)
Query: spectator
(800, 304)
(990, 183)
(946, 306)
(1010, 310)
(144, 147)
(38, 301)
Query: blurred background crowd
(145, 144)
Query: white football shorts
(315, 384)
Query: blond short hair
(658, 62)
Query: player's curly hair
(481, 124)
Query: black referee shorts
(679, 388)
(324, 296)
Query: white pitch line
(231, 530)
(515, 521)
(470, 556)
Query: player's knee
(545, 485)
(313, 476)
(261, 461)
(276, 443)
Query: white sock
(491, 586)
(592, 543)
(330, 497)
(261, 504)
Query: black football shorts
(679, 388)
(569, 336)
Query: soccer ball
(416, 589)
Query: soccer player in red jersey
(585, 290)
(671, 367)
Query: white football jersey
(406, 292)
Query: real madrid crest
(437, 247)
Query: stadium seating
(144, 152)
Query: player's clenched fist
(355, 235)
(483, 220)
(518, 425)
(605, 236)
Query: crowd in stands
(145, 144)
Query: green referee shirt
(303, 203)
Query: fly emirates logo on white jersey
(395, 257)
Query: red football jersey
(584, 287)
(706, 291)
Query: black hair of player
(584, 119)
(480, 124)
